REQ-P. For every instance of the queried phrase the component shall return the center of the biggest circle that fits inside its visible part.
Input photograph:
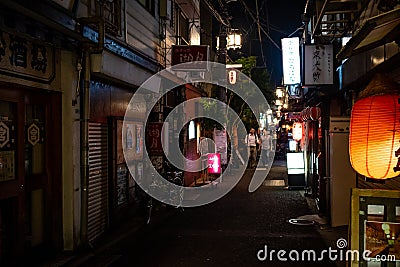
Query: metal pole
(222, 51)
(222, 94)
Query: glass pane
(376, 212)
(374, 264)
(7, 140)
(376, 209)
(34, 139)
(397, 214)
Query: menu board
(221, 143)
(122, 174)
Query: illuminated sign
(291, 60)
(297, 131)
(214, 163)
(192, 131)
(318, 64)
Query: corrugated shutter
(98, 180)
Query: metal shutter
(98, 180)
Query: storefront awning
(376, 31)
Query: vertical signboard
(214, 163)
(291, 60)
(154, 138)
(318, 64)
(221, 144)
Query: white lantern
(234, 40)
(232, 75)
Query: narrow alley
(228, 232)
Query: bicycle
(176, 177)
(149, 206)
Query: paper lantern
(232, 75)
(315, 113)
(375, 133)
(305, 114)
(308, 113)
(297, 131)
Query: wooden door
(30, 175)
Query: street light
(233, 40)
(226, 40)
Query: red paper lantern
(315, 113)
(375, 136)
(306, 114)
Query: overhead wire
(216, 14)
(262, 29)
(259, 34)
(274, 28)
(267, 16)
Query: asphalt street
(240, 229)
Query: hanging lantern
(297, 131)
(306, 114)
(315, 113)
(232, 75)
(375, 130)
(298, 117)
(234, 39)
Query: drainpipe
(85, 114)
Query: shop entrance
(30, 173)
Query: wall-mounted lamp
(233, 39)
(279, 92)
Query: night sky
(279, 18)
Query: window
(148, 5)
(376, 212)
(181, 26)
(112, 16)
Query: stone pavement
(229, 232)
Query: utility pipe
(85, 114)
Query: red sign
(154, 145)
(214, 163)
(198, 54)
